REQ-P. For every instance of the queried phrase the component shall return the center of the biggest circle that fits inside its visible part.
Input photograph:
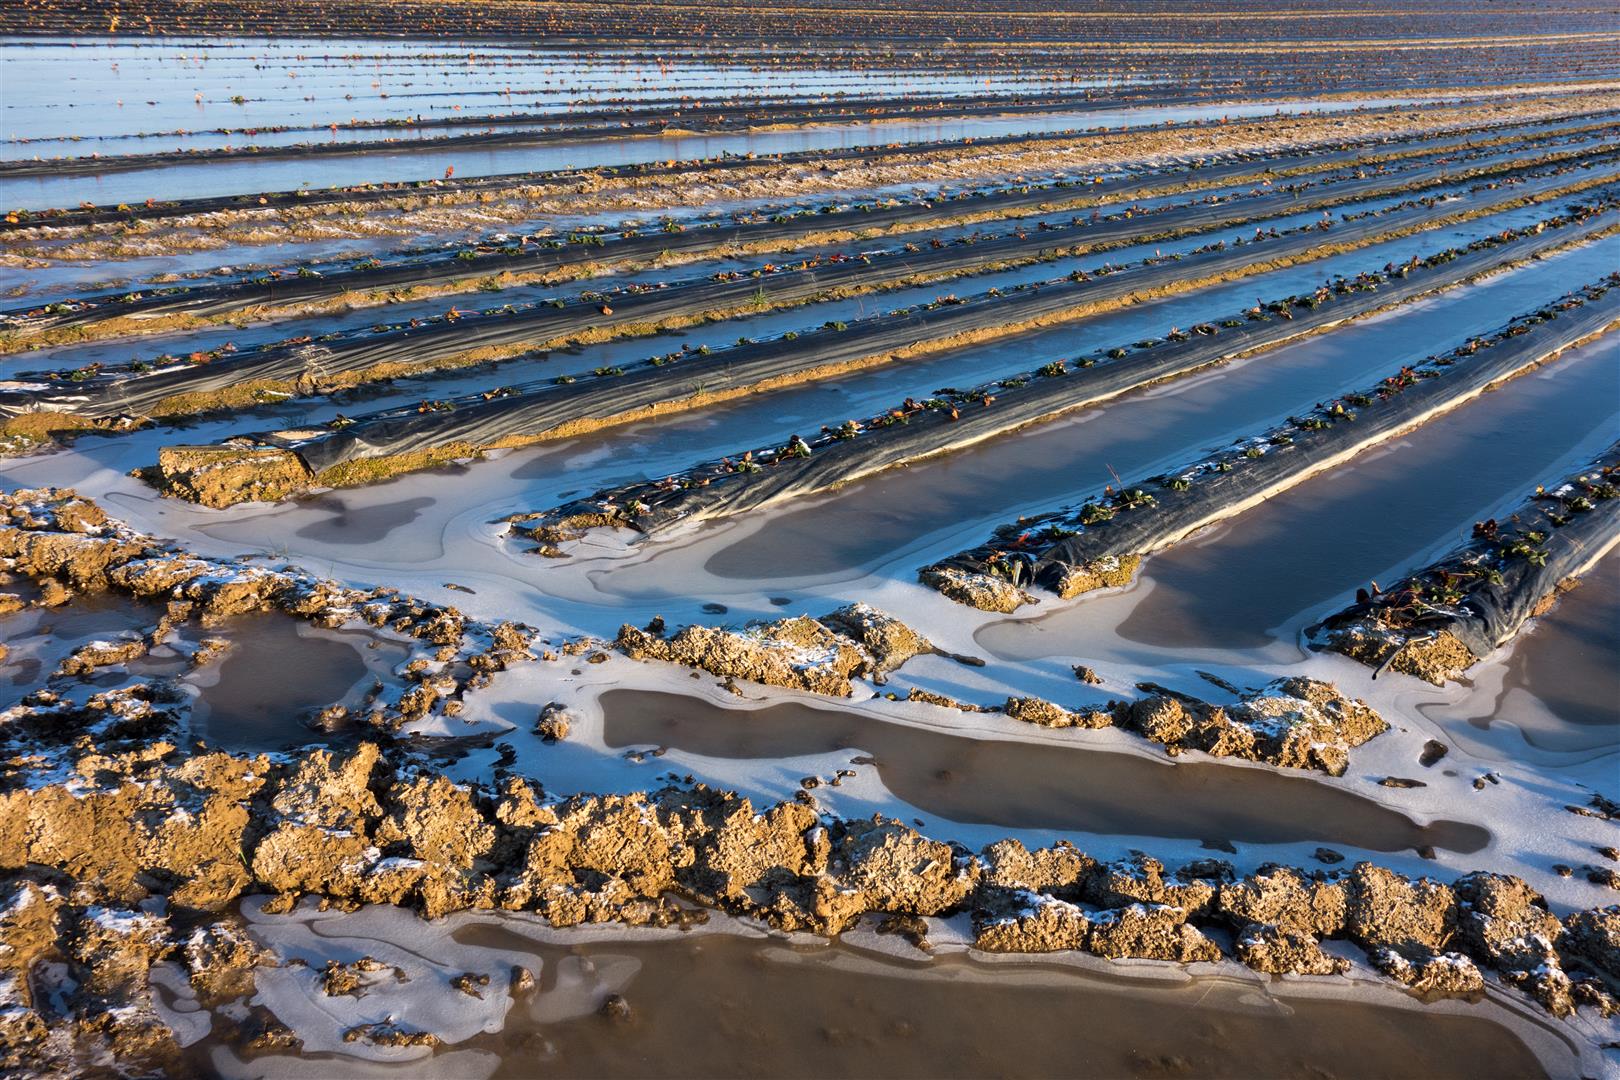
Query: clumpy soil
(800, 653)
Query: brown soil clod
(554, 723)
(1295, 723)
(800, 653)
(221, 476)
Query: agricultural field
(915, 538)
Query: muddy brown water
(1037, 785)
(725, 1005)
(1567, 659)
(721, 1006)
(270, 681)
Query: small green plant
(1133, 498)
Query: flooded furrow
(876, 520)
(1037, 207)
(1266, 573)
(955, 418)
(1558, 686)
(642, 303)
(1023, 785)
(225, 177)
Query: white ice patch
(423, 1001)
(430, 955)
(176, 1004)
(461, 1064)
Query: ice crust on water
(429, 955)
(294, 993)
(454, 540)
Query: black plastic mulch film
(1484, 590)
(939, 424)
(1139, 519)
(161, 209)
(214, 298)
(107, 395)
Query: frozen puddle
(723, 1001)
(1025, 785)
(36, 640)
(277, 673)
(351, 524)
(1558, 686)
